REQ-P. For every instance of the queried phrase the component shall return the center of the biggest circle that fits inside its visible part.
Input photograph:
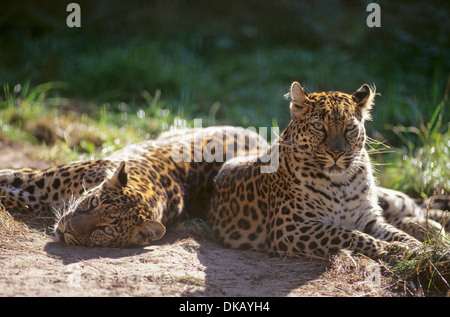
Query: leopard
(419, 217)
(322, 197)
(130, 197)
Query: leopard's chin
(334, 170)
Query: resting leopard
(128, 198)
(322, 198)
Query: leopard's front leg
(314, 238)
(380, 229)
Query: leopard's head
(109, 215)
(327, 128)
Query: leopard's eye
(94, 202)
(350, 127)
(318, 126)
(107, 230)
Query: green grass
(39, 116)
(236, 60)
(426, 270)
(421, 166)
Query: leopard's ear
(364, 98)
(147, 232)
(299, 99)
(120, 176)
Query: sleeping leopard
(322, 198)
(129, 198)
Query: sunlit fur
(323, 196)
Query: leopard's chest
(337, 202)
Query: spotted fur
(322, 198)
(416, 219)
(130, 197)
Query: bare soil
(181, 264)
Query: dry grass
(360, 273)
(9, 227)
(18, 236)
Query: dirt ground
(181, 264)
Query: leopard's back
(129, 197)
(157, 183)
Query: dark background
(240, 56)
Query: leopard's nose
(59, 235)
(335, 153)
